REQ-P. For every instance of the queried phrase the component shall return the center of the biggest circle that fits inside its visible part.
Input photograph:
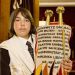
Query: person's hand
(67, 65)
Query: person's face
(22, 26)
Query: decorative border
(53, 4)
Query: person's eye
(27, 20)
(17, 20)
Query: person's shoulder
(3, 47)
(5, 43)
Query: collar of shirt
(23, 40)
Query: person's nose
(22, 22)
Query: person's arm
(4, 62)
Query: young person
(16, 48)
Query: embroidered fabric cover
(52, 46)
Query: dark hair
(26, 13)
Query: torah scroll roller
(60, 10)
(48, 14)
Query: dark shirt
(4, 62)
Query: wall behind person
(4, 19)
